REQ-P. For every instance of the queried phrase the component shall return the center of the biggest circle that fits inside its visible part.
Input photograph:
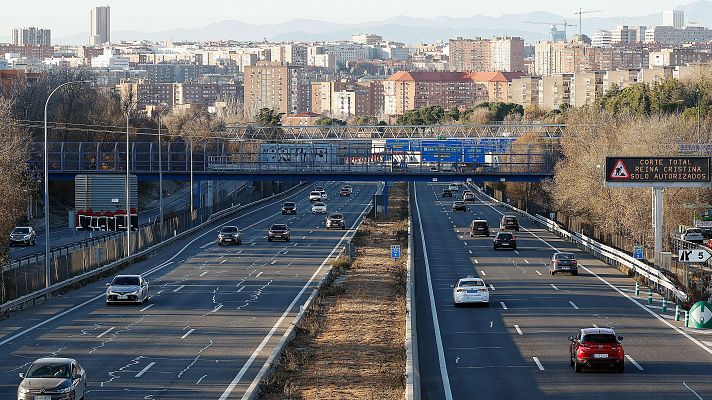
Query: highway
(517, 347)
(214, 316)
(63, 236)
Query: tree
(268, 117)
(327, 121)
(15, 183)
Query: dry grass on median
(352, 345)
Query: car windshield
(694, 230)
(315, 193)
(510, 219)
(336, 216)
(599, 338)
(504, 236)
(458, 203)
(471, 283)
(565, 256)
(21, 231)
(289, 204)
(479, 223)
(279, 227)
(319, 204)
(125, 281)
(47, 370)
(229, 229)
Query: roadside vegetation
(350, 345)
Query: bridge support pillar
(385, 199)
(199, 194)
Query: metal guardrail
(601, 251)
(45, 292)
(412, 370)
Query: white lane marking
(483, 273)
(146, 368)
(538, 273)
(465, 243)
(203, 274)
(236, 380)
(504, 306)
(433, 310)
(526, 261)
(519, 331)
(178, 288)
(693, 392)
(516, 251)
(105, 332)
(595, 326)
(258, 275)
(470, 251)
(187, 333)
(222, 262)
(554, 286)
(148, 306)
(476, 262)
(201, 379)
(538, 363)
(240, 289)
(147, 273)
(632, 361)
(239, 252)
(573, 305)
(491, 287)
(273, 262)
(216, 309)
(206, 245)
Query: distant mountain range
(402, 28)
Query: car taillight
(585, 345)
(573, 262)
(483, 290)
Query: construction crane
(580, 13)
(554, 28)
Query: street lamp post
(160, 176)
(46, 181)
(128, 188)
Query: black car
(447, 193)
(479, 227)
(563, 262)
(509, 222)
(289, 208)
(278, 231)
(459, 206)
(504, 239)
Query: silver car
(53, 379)
(127, 289)
(229, 234)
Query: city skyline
(125, 17)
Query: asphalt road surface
(517, 348)
(214, 316)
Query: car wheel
(239, 242)
(578, 367)
(494, 247)
(620, 368)
(571, 361)
(269, 239)
(551, 272)
(287, 239)
(33, 242)
(486, 304)
(514, 248)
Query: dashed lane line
(538, 363)
(105, 332)
(573, 305)
(146, 368)
(185, 335)
(632, 361)
(519, 331)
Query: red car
(344, 192)
(597, 347)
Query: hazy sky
(157, 15)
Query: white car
(314, 196)
(693, 235)
(319, 208)
(470, 290)
(127, 289)
(453, 187)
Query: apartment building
(563, 58)
(145, 93)
(292, 54)
(100, 26)
(506, 54)
(525, 91)
(345, 100)
(405, 91)
(470, 54)
(555, 91)
(343, 53)
(31, 36)
(277, 86)
(585, 88)
(678, 56)
(30, 52)
(671, 36)
(366, 38)
(206, 94)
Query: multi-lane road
(517, 347)
(214, 316)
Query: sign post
(395, 252)
(657, 173)
(638, 252)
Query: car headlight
(22, 390)
(26, 237)
(65, 390)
